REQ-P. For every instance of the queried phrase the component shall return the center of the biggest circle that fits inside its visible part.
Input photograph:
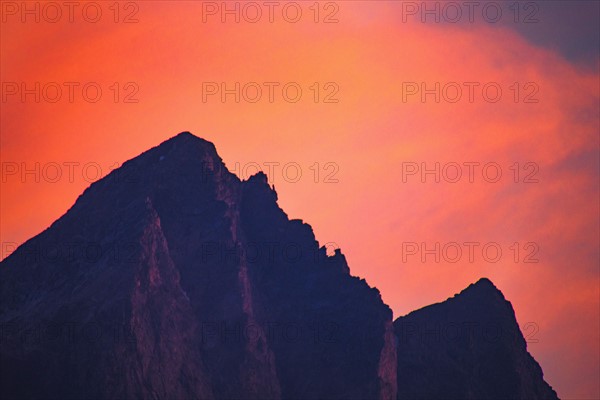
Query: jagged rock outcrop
(171, 278)
(467, 347)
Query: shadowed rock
(467, 347)
(171, 278)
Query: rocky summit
(171, 278)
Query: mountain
(467, 347)
(172, 279)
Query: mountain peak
(213, 293)
(186, 142)
(480, 290)
(187, 135)
(453, 343)
(485, 281)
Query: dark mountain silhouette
(172, 279)
(468, 347)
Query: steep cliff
(171, 278)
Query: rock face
(172, 279)
(468, 347)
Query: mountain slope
(171, 278)
(467, 347)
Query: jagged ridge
(171, 278)
(198, 312)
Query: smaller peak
(259, 177)
(483, 282)
(188, 136)
(483, 288)
(259, 185)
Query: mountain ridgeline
(172, 279)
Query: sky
(433, 143)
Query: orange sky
(369, 134)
